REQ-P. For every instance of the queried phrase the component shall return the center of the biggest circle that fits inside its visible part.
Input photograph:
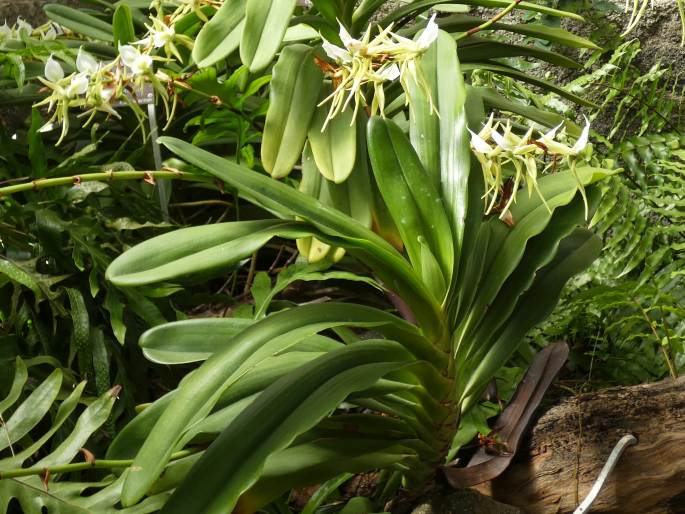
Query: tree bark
(568, 446)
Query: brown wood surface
(569, 444)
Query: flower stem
(79, 466)
(494, 19)
(106, 176)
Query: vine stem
(492, 20)
(80, 466)
(105, 176)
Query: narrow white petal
(479, 143)
(336, 53)
(346, 38)
(389, 73)
(583, 139)
(430, 34)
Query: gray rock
(29, 10)
(464, 501)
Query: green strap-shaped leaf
(122, 26)
(576, 253)
(441, 141)
(524, 77)
(314, 462)
(476, 49)
(200, 390)
(496, 101)
(220, 37)
(31, 410)
(374, 251)
(20, 376)
(295, 403)
(265, 24)
(295, 86)
(415, 205)
(539, 251)
(79, 22)
(334, 149)
(205, 249)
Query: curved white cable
(621, 445)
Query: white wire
(611, 462)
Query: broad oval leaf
(295, 87)
(265, 24)
(79, 22)
(334, 148)
(220, 36)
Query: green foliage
(285, 392)
(640, 219)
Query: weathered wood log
(556, 467)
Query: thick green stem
(80, 466)
(106, 176)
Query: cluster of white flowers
(47, 31)
(386, 57)
(97, 86)
(495, 150)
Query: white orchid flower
(53, 70)
(161, 33)
(136, 61)
(86, 63)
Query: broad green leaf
(29, 413)
(122, 26)
(33, 499)
(205, 249)
(265, 24)
(335, 148)
(329, 9)
(189, 340)
(221, 36)
(289, 407)
(79, 22)
(415, 205)
(441, 141)
(295, 87)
